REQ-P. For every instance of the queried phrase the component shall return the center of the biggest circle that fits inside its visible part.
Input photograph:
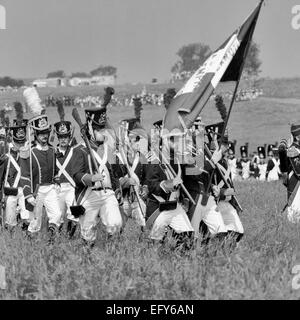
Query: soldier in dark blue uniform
(289, 155)
(97, 189)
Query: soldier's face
(225, 149)
(99, 135)
(43, 138)
(134, 142)
(64, 141)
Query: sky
(139, 37)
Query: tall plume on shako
(221, 107)
(19, 111)
(60, 110)
(33, 101)
(109, 92)
(7, 122)
(2, 117)
(138, 107)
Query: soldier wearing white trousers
(163, 185)
(100, 206)
(213, 207)
(42, 182)
(13, 184)
(66, 199)
(133, 173)
(64, 158)
(177, 219)
(47, 197)
(97, 189)
(230, 217)
(14, 204)
(209, 214)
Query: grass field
(260, 268)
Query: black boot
(232, 239)
(24, 226)
(88, 244)
(52, 232)
(184, 240)
(71, 228)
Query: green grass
(260, 268)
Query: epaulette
(293, 152)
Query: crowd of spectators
(146, 99)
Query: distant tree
(56, 74)
(8, 81)
(104, 71)
(80, 75)
(191, 57)
(253, 63)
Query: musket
(171, 170)
(82, 127)
(135, 187)
(215, 167)
(125, 162)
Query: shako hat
(96, 116)
(40, 123)
(244, 151)
(18, 133)
(295, 129)
(271, 147)
(63, 128)
(261, 152)
(231, 147)
(213, 129)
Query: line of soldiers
(264, 165)
(107, 177)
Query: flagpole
(235, 90)
(239, 77)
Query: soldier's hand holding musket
(126, 182)
(171, 184)
(144, 192)
(32, 201)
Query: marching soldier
(262, 165)
(289, 155)
(42, 183)
(64, 159)
(273, 170)
(205, 213)
(254, 171)
(13, 186)
(133, 177)
(167, 203)
(166, 199)
(245, 162)
(232, 161)
(3, 163)
(226, 205)
(97, 188)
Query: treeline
(8, 81)
(100, 71)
